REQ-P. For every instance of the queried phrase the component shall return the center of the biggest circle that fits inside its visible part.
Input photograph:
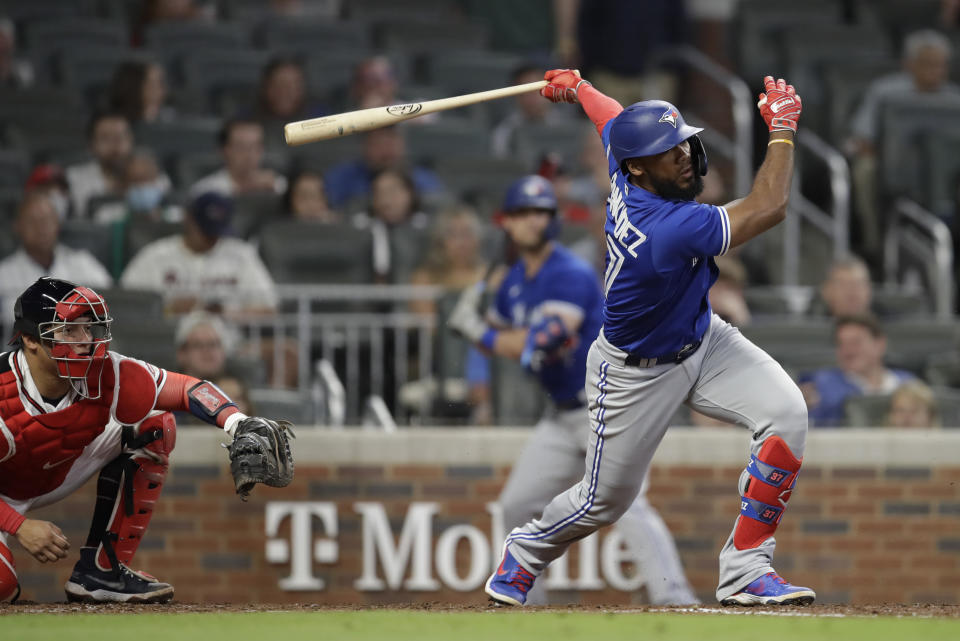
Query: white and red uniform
(47, 450)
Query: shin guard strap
(768, 473)
(758, 511)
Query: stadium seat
(303, 252)
(220, 72)
(14, 168)
(941, 166)
(808, 54)
(314, 37)
(141, 232)
(469, 71)
(151, 340)
(433, 143)
(537, 141)
(67, 34)
(420, 10)
(846, 83)
(90, 68)
(291, 405)
(324, 155)
(518, 399)
(178, 38)
(948, 405)
(943, 369)
(169, 140)
(480, 175)
(252, 212)
(424, 37)
(133, 305)
(791, 338)
(902, 122)
(910, 342)
(97, 238)
(866, 411)
(758, 27)
(190, 167)
(408, 246)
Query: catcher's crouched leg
(127, 490)
(9, 586)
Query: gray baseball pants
(728, 378)
(551, 461)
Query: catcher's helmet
(534, 192)
(66, 315)
(652, 127)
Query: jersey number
(614, 263)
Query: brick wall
(875, 517)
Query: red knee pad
(9, 586)
(164, 427)
(147, 470)
(773, 474)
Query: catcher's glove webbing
(260, 453)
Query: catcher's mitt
(260, 453)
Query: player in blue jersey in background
(546, 313)
(661, 345)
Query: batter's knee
(788, 420)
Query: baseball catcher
(70, 408)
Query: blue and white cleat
(510, 583)
(771, 589)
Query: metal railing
(376, 349)
(914, 230)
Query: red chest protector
(47, 444)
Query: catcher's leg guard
(770, 478)
(9, 586)
(121, 517)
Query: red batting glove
(563, 85)
(780, 106)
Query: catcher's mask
(73, 323)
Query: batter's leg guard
(771, 476)
(9, 586)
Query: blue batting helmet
(534, 192)
(652, 127)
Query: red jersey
(40, 440)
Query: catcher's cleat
(510, 583)
(90, 584)
(771, 589)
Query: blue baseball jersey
(565, 285)
(659, 266)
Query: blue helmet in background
(652, 127)
(534, 192)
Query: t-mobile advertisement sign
(422, 559)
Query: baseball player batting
(661, 345)
(69, 408)
(546, 313)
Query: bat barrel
(351, 122)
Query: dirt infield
(883, 610)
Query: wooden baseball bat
(351, 122)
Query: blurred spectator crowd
(142, 153)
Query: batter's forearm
(766, 204)
(599, 107)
